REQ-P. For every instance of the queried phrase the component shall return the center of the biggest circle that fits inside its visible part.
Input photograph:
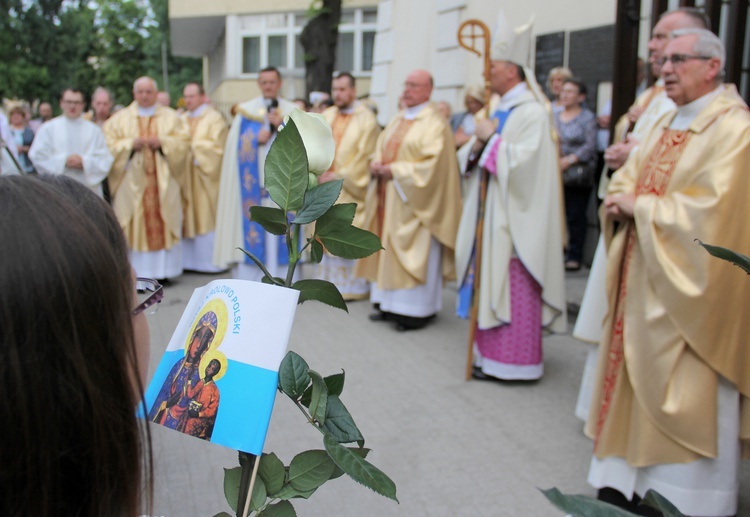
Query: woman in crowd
(23, 136)
(576, 126)
(73, 356)
(555, 79)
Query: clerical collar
(349, 109)
(73, 120)
(147, 112)
(507, 99)
(687, 112)
(198, 111)
(412, 112)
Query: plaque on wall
(550, 52)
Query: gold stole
(340, 123)
(653, 180)
(390, 152)
(193, 123)
(155, 238)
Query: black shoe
(380, 316)
(404, 323)
(478, 374)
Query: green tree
(319, 39)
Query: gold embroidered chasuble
(355, 135)
(145, 184)
(201, 185)
(426, 170)
(676, 319)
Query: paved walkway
(453, 448)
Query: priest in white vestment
(71, 146)
(253, 130)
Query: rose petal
(318, 139)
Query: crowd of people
(481, 197)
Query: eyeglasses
(678, 59)
(149, 293)
(72, 103)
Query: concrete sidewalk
(453, 448)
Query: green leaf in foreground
(293, 376)
(271, 471)
(286, 169)
(280, 509)
(337, 218)
(359, 469)
(738, 259)
(583, 506)
(232, 486)
(339, 423)
(289, 492)
(321, 291)
(335, 383)
(259, 496)
(318, 200)
(655, 500)
(273, 220)
(316, 251)
(318, 398)
(360, 451)
(351, 243)
(310, 469)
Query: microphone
(272, 105)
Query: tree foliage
(319, 39)
(50, 44)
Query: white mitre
(514, 45)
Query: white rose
(318, 139)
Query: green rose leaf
(319, 397)
(655, 500)
(280, 509)
(316, 251)
(289, 492)
(356, 450)
(583, 506)
(320, 290)
(738, 259)
(339, 422)
(359, 469)
(259, 496)
(273, 220)
(293, 376)
(232, 486)
(286, 169)
(310, 469)
(351, 243)
(275, 281)
(337, 218)
(335, 383)
(318, 200)
(271, 471)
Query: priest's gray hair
(146, 78)
(706, 44)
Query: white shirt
(62, 137)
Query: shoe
(478, 374)
(380, 316)
(572, 265)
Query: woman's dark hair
(582, 90)
(73, 445)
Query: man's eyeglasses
(678, 59)
(149, 293)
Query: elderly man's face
(660, 38)
(144, 93)
(686, 81)
(502, 76)
(417, 89)
(102, 105)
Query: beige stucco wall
(197, 8)
(231, 91)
